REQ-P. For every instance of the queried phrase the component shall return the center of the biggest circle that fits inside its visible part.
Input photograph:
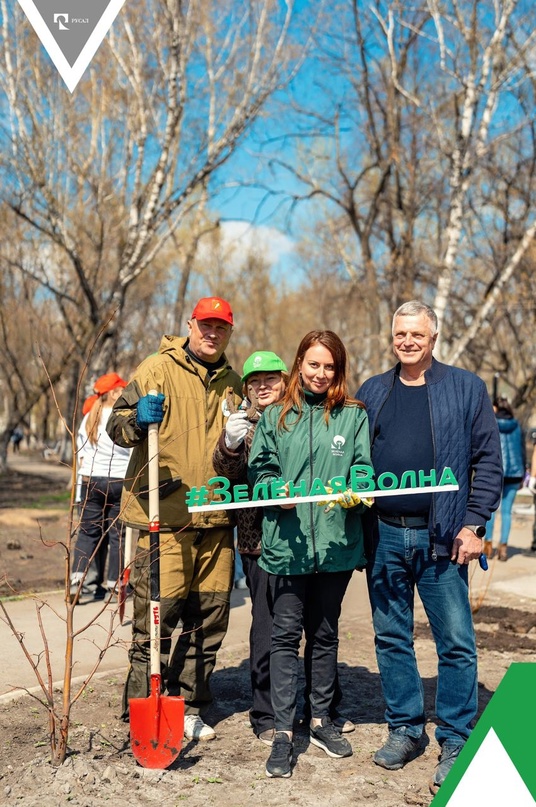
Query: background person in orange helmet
(102, 467)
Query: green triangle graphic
(491, 779)
(512, 714)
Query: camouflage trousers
(196, 570)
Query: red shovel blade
(156, 727)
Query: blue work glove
(150, 410)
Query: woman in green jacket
(317, 432)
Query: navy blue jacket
(512, 448)
(465, 438)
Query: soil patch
(229, 772)
(500, 629)
(31, 490)
(33, 526)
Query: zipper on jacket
(311, 471)
(202, 521)
(432, 504)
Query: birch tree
(483, 65)
(423, 120)
(34, 345)
(359, 145)
(108, 176)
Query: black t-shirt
(403, 442)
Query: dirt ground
(228, 772)
(31, 555)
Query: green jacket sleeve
(263, 464)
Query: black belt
(405, 521)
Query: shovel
(125, 577)
(156, 722)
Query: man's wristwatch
(478, 530)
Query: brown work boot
(488, 549)
(502, 552)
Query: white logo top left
(71, 36)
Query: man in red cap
(192, 376)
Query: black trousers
(100, 530)
(261, 715)
(315, 600)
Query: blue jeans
(507, 502)
(239, 572)
(401, 561)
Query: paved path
(511, 584)
(31, 465)
(16, 673)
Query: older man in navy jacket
(426, 416)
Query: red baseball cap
(213, 308)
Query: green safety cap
(263, 361)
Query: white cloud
(238, 238)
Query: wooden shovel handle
(154, 544)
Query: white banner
(332, 497)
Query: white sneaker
(196, 729)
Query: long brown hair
(337, 394)
(94, 418)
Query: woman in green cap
(264, 376)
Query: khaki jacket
(194, 416)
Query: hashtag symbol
(195, 497)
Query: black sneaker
(327, 737)
(399, 749)
(449, 754)
(280, 759)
